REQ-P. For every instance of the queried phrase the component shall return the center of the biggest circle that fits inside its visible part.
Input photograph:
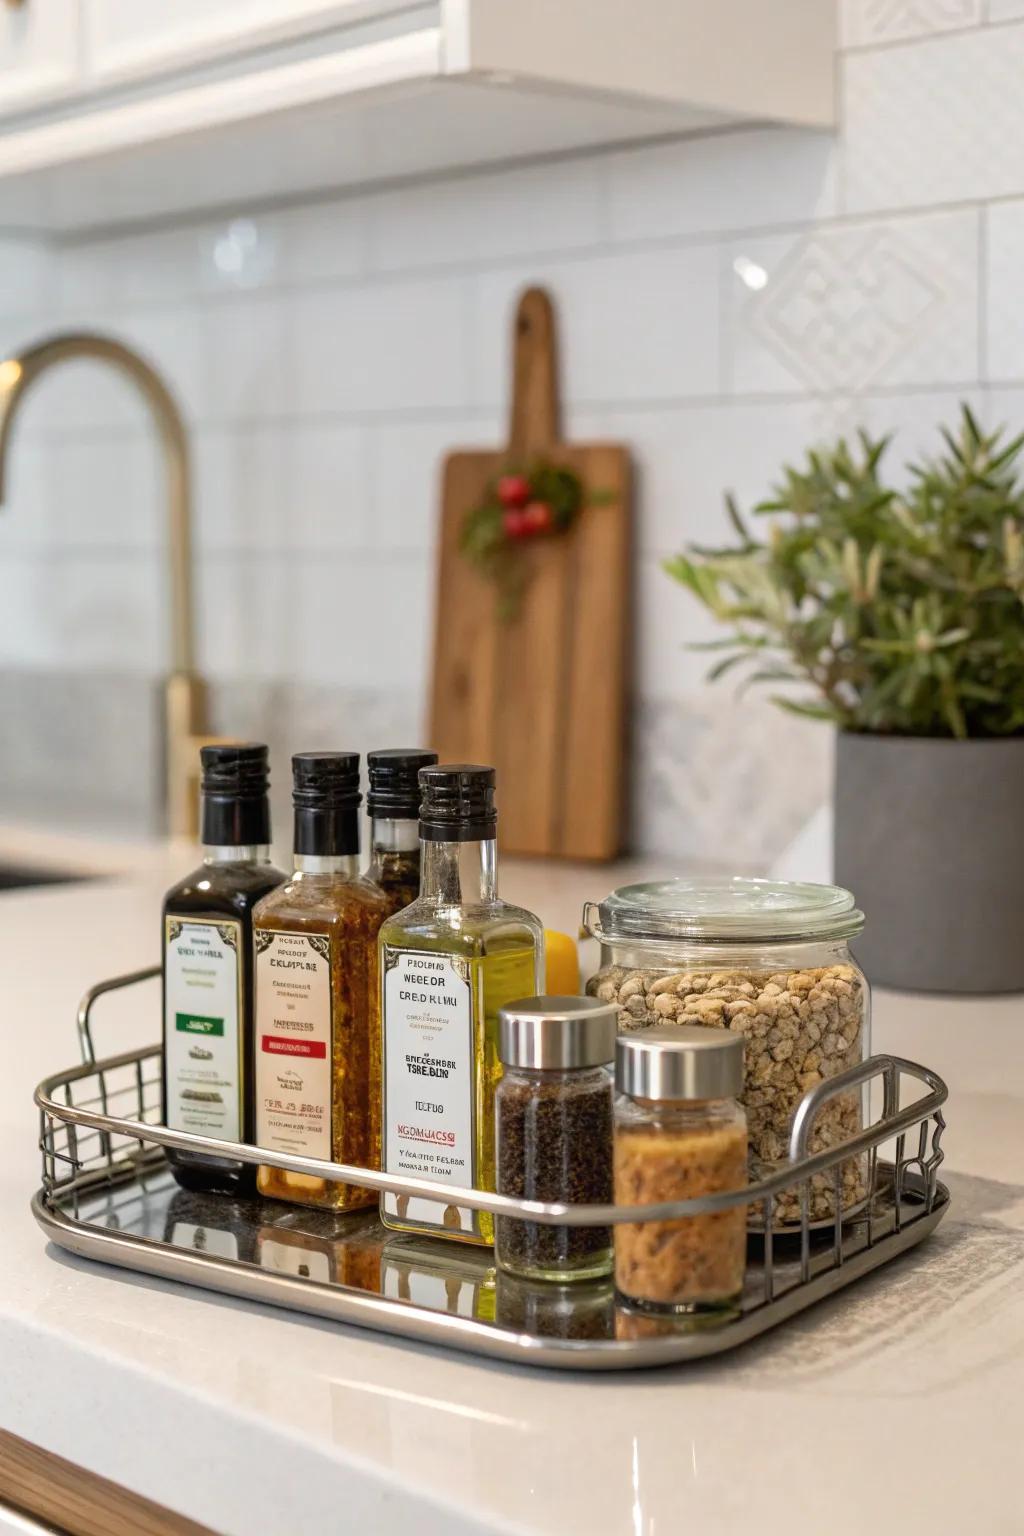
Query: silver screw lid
(549, 1033)
(680, 1061)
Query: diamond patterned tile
(883, 21)
(724, 779)
(848, 307)
(936, 122)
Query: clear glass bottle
(207, 1066)
(317, 1019)
(554, 1132)
(770, 961)
(448, 964)
(680, 1134)
(393, 804)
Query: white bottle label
(293, 1043)
(429, 1110)
(205, 1070)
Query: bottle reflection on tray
(430, 1273)
(329, 1248)
(581, 1310)
(209, 1224)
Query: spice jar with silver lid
(553, 1115)
(679, 1134)
(769, 961)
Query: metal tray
(108, 1194)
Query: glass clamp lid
(724, 909)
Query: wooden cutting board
(541, 696)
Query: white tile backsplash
(725, 182)
(403, 485)
(26, 276)
(105, 493)
(279, 490)
(849, 306)
(939, 121)
(90, 611)
(863, 22)
(385, 346)
(26, 516)
(245, 373)
(1004, 272)
(320, 244)
(724, 302)
(471, 219)
(631, 325)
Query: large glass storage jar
(771, 961)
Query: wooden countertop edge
(35, 1483)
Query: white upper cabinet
(38, 51)
(127, 38)
(162, 107)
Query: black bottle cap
(235, 781)
(325, 792)
(457, 803)
(394, 788)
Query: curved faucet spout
(18, 374)
(184, 689)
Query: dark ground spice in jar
(555, 1143)
(553, 1117)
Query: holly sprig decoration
(520, 506)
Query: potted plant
(903, 610)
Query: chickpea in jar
(680, 1135)
(768, 961)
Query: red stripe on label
(278, 1045)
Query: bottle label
(203, 1046)
(429, 1082)
(293, 1043)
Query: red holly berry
(537, 517)
(514, 523)
(513, 491)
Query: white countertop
(894, 1407)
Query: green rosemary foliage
(903, 609)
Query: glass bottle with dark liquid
(393, 802)
(208, 969)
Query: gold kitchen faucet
(183, 690)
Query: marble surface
(894, 1407)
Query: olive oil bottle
(393, 803)
(317, 1022)
(448, 963)
(207, 968)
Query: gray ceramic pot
(929, 836)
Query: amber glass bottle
(393, 801)
(317, 1009)
(207, 968)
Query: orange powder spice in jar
(680, 1134)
